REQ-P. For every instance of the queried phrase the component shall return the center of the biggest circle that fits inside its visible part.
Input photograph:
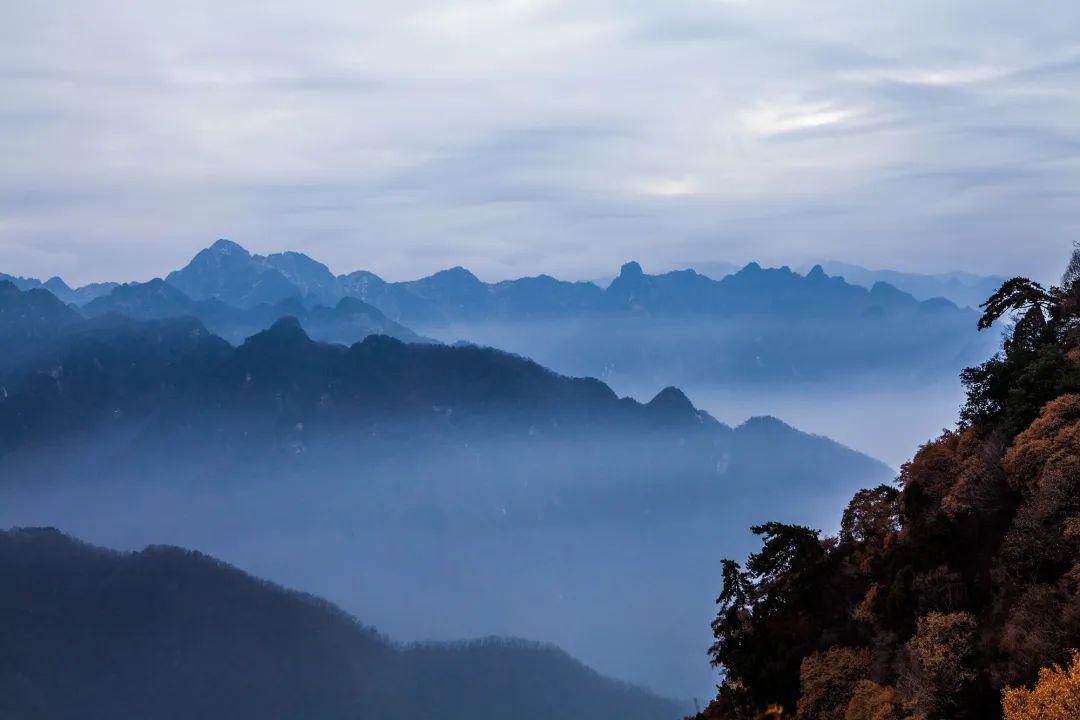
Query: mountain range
(640, 333)
(167, 633)
(438, 490)
(963, 288)
(346, 321)
(61, 289)
(758, 326)
(228, 272)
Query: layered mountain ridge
(640, 333)
(438, 490)
(168, 633)
(227, 272)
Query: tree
(961, 581)
(1056, 696)
(770, 616)
(1018, 294)
(870, 701)
(871, 515)
(939, 674)
(1072, 270)
(827, 681)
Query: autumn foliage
(1055, 697)
(939, 594)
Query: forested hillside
(166, 633)
(941, 592)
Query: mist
(885, 405)
(607, 546)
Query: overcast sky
(525, 136)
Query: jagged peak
(816, 273)
(288, 323)
(292, 256)
(154, 285)
(365, 274)
(222, 246)
(671, 396)
(631, 269)
(286, 330)
(884, 289)
(57, 283)
(456, 273)
(36, 295)
(378, 343)
(672, 403)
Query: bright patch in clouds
(777, 118)
(669, 187)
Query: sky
(523, 136)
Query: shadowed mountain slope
(168, 633)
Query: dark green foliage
(1017, 294)
(1007, 391)
(772, 614)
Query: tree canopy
(935, 596)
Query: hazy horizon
(715, 267)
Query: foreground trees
(938, 595)
(1055, 697)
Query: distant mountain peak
(631, 269)
(671, 403)
(882, 290)
(457, 273)
(222, 246)
(750, 267)
(56, 285)
(297, 261)
(287, 325)
(816, 273)
(286, 331)
(155, 283)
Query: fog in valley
(882, 410)
(536, 459)
(606, 547)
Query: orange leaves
(960, 472)
(1049, 448)
(827, 681)
(1056, 696)
(871, 701)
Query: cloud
(525, 136)
(779, 118)
(669, 186)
